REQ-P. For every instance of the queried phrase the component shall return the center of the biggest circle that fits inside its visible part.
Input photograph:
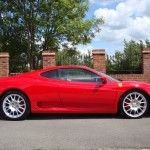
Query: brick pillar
(4, 64)
(99, 61)
(48, 59)
(146, 60)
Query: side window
(53, 74)
(78, 75)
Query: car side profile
(71, 89)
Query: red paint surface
(60, 96)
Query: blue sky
(124, 19)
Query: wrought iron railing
(123, 65)
(83, 59)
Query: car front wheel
(14, 106)
(133, 104)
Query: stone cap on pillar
(4, 54)
(146, 50)
(99, 51)
(47, 53)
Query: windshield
(109, 77)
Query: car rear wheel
(134, 104)
(14, 106)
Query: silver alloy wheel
(135, 104)
(14, 106)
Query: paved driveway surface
(61, 131)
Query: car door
(83, 91)
(47, 95)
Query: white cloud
(104, 2)
(129, 20)
(84, 49)
(140, 8)
(140, 28)
(113, 19)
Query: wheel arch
(17, 90)
(134, 89)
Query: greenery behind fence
(121, 64)
(66, 58)
(128, 61)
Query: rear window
(53, 74)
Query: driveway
(75, 131)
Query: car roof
(37, 72)
(66, 66)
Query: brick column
(48, 59)
(4, 64)
(99, 61)
(146, 60)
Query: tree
(147, 43)
(132, 52)
(73, 57)
(128, 61)
(45, 24)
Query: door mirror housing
(104, 79)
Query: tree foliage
(74, 57)
(31, 25)
(128, 61)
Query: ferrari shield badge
(120, 84)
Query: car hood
(137, 85)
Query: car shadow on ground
(71, 116)
(77, 116)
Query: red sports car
(71, 89)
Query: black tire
(14, 106)
(134, 104)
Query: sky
(124, 19)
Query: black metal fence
(84, 59)
(20, 64)
(119, 64)
(123, 65)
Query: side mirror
(104, 79)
